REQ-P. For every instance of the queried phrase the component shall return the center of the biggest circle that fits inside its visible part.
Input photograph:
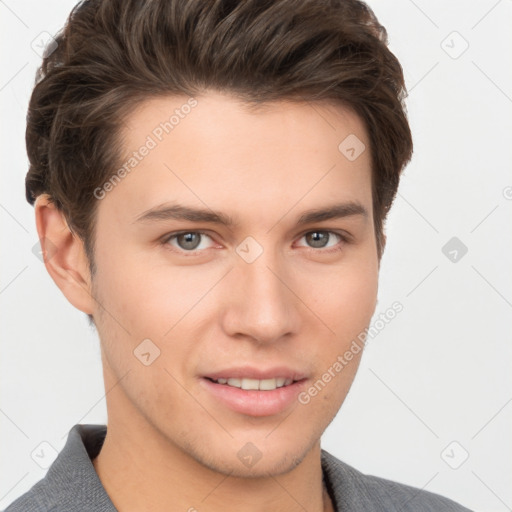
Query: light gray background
(438, 373)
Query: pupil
(318, 238)
(189, 242)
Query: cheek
(168, 306)
(346, 303)
(345, 298)
(149, 296)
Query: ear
(64, 255)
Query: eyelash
(344, 239)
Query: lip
(250, 372)
(250, 401)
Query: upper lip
(250, 372)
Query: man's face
(266, 296)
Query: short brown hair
(113, 54)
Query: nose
(260, 303)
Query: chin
(246, 460)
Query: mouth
(254, 384)
(255, 392)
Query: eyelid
(345, 235)
(344, 238)
(175, 234)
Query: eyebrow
(171, 211)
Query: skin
(170, 443)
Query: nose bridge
(262, 307)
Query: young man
(211, 181)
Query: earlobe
(64, 254)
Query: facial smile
(253, 391)
(262, 385)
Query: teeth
(263, 385)
(250, 384)
(268, 384)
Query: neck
(141, 470)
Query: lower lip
(254, 402)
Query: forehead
(212, 150)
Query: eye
(186, 241)
(193, 241)
(319, 239)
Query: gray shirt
(71, 484)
